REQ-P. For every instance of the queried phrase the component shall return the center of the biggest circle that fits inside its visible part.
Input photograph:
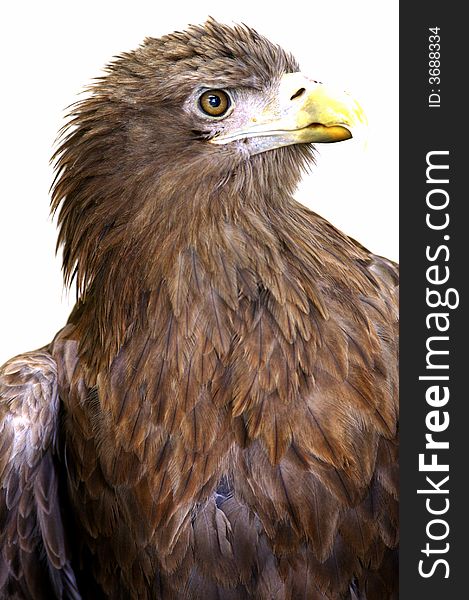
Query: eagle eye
(215, 103)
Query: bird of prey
(218, 417)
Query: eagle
(218, 417)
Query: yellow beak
(302, 111)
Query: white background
(50, 50)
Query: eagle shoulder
(31, 519)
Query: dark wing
(34, 558)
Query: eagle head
(205, 103)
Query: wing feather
(31, 515)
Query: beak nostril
(298, 93)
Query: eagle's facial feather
(155, 92)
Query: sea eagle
(218, 418)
